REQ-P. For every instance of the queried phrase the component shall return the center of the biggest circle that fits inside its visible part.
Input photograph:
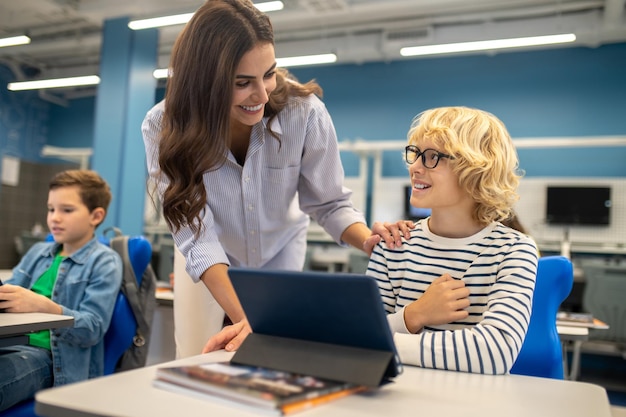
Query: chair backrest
(542, 354)
(603, 296)
(123, 327)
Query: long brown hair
(196, 124)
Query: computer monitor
(578, 205)
(410, 212)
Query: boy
(459, 290)
(74, 275)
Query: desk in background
(576, 336)
(5, 274)
(14, 327)
(417, 391)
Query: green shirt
(44, 286)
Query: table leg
(565, 361)
(575, 360)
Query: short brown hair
(93, 189)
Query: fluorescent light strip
(54, 83)
(281, 62)
(487, 45)
(181, 19)
(270, 6)
(295, 61)
(161, 73)
(15, 40)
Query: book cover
(276, 392)
(567, 318)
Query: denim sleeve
(92, 310)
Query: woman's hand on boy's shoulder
(391, 233)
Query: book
(566, 318)
(255, 388)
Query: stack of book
(566, 318)
(254, 388)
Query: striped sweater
(498, 266)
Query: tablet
(331, 308)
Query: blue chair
(542, 354)
(119, 337)
(121, 331)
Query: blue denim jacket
(86, 288)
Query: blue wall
(72, 126)
(551, 93)
(23, 121)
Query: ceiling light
(15, 40)
(487, 45)
(280, 62)
(181, 19)
(54, 83)
(160, 73)
(295, 61)
(270, 6)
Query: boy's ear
(97, 216)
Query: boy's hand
(445, 301)
(16, 299)
(229, 338)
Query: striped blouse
(256, 215)
(498, 266)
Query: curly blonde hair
(483, 156)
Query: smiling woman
(232, 129)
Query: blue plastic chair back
(119, 337)
(541, 354)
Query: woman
(242, 154)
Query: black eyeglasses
(430, 157)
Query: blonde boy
(459, 288)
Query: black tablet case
(329, 325)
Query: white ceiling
(66, 33)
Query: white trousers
(197, 316)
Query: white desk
(14, 327)
(417, 391)
(165, 297)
